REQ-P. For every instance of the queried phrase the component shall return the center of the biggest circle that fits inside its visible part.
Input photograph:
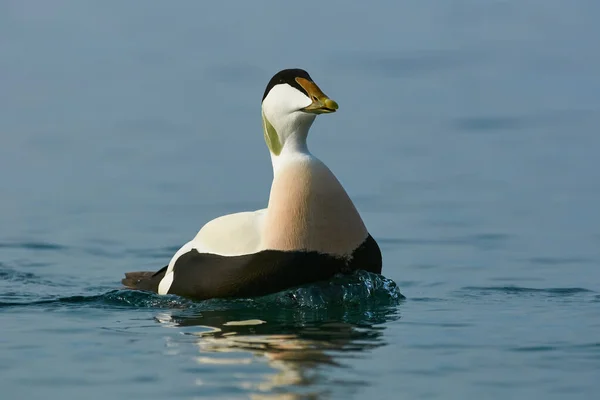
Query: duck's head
(290, 104)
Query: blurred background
(467, 135)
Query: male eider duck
(309, 231)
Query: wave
(516, 290)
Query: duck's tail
(144, 280)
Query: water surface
(467, 135)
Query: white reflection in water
(295, 354)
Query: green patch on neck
(271, 136)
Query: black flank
(204, 276)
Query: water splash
(347, 290)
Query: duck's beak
(321, 104)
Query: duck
(309, 231)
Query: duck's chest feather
(310, 210)
(203, 276)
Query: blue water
(468, 136)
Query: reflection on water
(296, 345)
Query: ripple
(559, 260)
(481, 240)
(427, 299)
(346, 290)
(586, 348)
(524, 291)
(11, 275)
(33, 246)
(533, 349)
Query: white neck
(294, 147)
(285, 125)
